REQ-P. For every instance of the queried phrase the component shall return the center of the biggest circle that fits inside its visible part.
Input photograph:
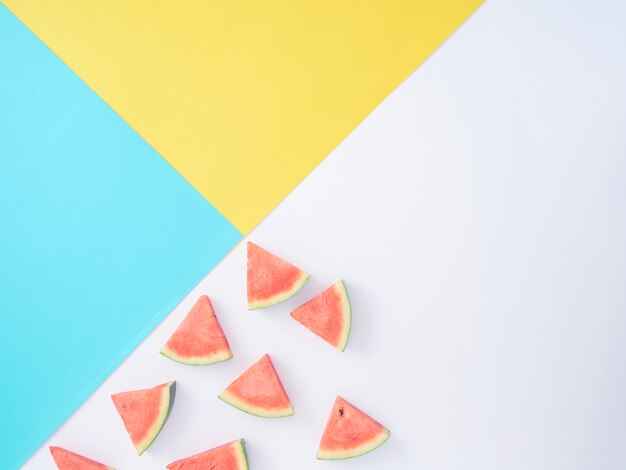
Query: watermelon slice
(328, 315)
(258, 391)
(270, 279)
(231, 456)
(349, 433)
(199, 339)
(67, 460)
(144, 412)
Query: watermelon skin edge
(347, 316)
(197, 360)
(238, 446)
(367, 447)
(232, 400)
(171, 395)
(281, 296)
(241, 455)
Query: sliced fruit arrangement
(231, 456)
(350, 433)
(328, 315)
(259, 391)
(199, 339)
(67, 460)
(270, 279)
(144, 412)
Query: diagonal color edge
(243, 98)
(99, 239)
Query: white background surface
(478, 220)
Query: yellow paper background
(243, 98)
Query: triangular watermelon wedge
(350, 433)
(144, 412)
(270, 279)
(259, 391)
(231, 456)
(328, 315)
(67, 460)
(199, 339)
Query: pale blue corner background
(99, 239)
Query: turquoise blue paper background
(99, 240)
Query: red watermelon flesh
(199, 339)
(231, 456)
(67, 460)
(270, 279)
(350, 433)
(328, 315)
(144, 412)
(259, 391)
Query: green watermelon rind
(242, 459)
(220, 356)
(166, 407)
(280, 296)
(347, 315)
(261, 412)
(366, 447)
(240, 455)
